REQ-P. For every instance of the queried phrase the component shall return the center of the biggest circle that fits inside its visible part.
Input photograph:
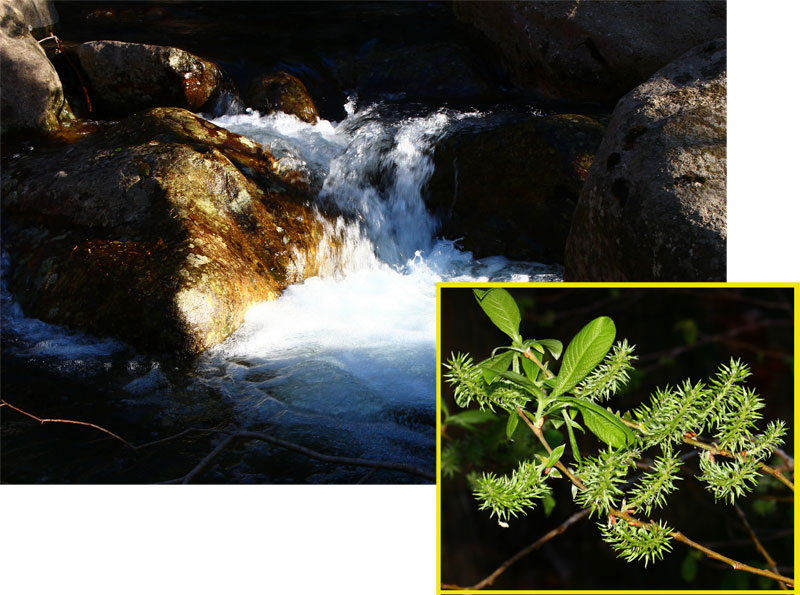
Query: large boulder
(39, 15)
(282, 92)
(512, 189)
(591, 50)
(161, 231)
(654, 205)
(123, 78)
(32, 99)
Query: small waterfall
(344, 361)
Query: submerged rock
(161, 231)
(282, 92)
(512, 189)
(124, 78)
(654, 205)
(592, 50)
(32, 100)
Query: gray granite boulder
(654, 205)
(591, 50)
(32, 99)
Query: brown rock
(124, 78)
(591, 50)
(511, 190)
(161, 231)
(654, 205)
(282, 92)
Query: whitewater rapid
(344, 361)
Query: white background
(378, 539)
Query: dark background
(679, 333)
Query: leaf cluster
(521, 378)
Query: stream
(343, 363)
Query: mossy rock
(151, 231)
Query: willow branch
(678, 536)
(759, 547)
(725, 453)
(527, 550)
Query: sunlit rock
(282, 92)
(123, 78)
(162, 231)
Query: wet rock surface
(123, 78)
(654, 205)
(282, 92)
(512, 189)
(160, 231)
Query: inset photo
(619, 438)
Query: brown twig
(65, 421)
(706, 339)
(717, 451)
(232, 435)
(312, 454)
(757, 543)
(532, 547)
(537, 430)
(678, 536)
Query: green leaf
(689, 566)
(513, 420)
(585, 351)
(554, 346)
(498, 363)
(468, 419)
(549, 503)
(501, 309)
(602, 423)
(573, 444)
(524, 382)
(531, 370)
(554, 456)
(533, 343)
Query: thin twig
(757, 543)
(559, 465)
(312, 454)
(787, 460)
(250, 435)
(678, 536)
(706, 339)
(66, 421)
(725, 453)
(534, 546)
(206, 461)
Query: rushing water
(343, 363)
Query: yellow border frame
(440, 286)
